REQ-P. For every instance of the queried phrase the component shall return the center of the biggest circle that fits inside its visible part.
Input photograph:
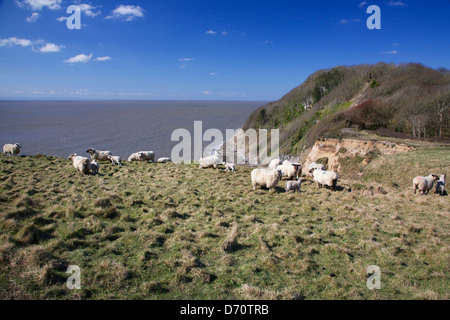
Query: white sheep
(274, 163)
(229, 166)
(95, 167)
(268, 178)
(147, 155)
(440, 185)
(99, 155)
(290, 170)
(82, 164)
(424, 184)
(328, 178)
(134, 157)
(211, 161)
(293, 185)
(164, 160)
(12, 149)
(313, 166)
(115, 160)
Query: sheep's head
(140, 154)
(73, 155)
(18, 145)
(312, 170)
(90, 150)
(280, 173)
(435, 177)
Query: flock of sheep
(265, 177)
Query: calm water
(60, 128)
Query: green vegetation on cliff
(409, 99)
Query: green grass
(166, 231)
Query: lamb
(95, 167)
(164, 160)
(313, 166)
(266, 178)
(440, 185)
(328, 178)
(274, 163)
(229, 166)
(12, 149)
(211, 161)
(134, 157)
(115, 159)
(82, 164)
(99, 155)
(293, 185)
(290, 170)
(424, 184)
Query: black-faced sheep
(440, 185)
(268, 178)
(98, 155)
(82, 164)
(164, 160)
(12, 149)
(424, 184)
(95, 167)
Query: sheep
(322, 177)
(147, 155)
(12, 149)
(424, 184)
(440, 185)
(314, 165)
(229, 166)
(164, 160)
(115, 159)
(290, 170)
(211, 161)
(82, 164)
(99, 155)
(95, 167)
(266, 178)
(134, 157)
(274, 163)
(293, 185)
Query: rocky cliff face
(332, 150)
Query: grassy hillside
(166, 231)
(397, 99)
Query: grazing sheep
(134, 157)
(82, 164)
(229, 166)
(440, 185)
(115, 159)
(290, 170)
(99, 155)
(274, 163)
(164, 160)
(95, 167)
(211, 161)
(313, 166)
(424, 184)
(293, 185)
(328, 178)
(12, 149)
(266, 178)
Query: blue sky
(214, 50)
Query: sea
(60, 128)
